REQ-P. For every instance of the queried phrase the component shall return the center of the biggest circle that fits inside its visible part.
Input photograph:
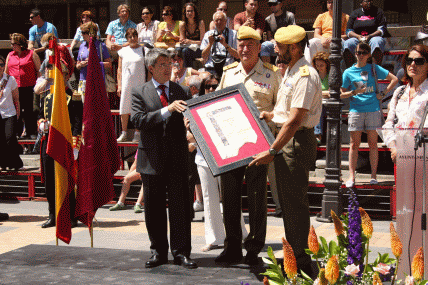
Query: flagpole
(92, 233)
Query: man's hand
(393, 154)
(177, 106)
(267, 116)
(187, 123)
(249, 22)
(222, 40)
(211, 39)
(326, 42)
(262, 158)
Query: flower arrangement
(345, 261)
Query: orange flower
(338, 227)
(290, 264)
(321, 276)
(396, 245)
(265, 281)
(332, 270)
(313, 241)
(366, 223)
(376, 278)
(418, 265)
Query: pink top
(22, 68)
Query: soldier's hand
(262, 158)
(177, 106)
(267, 116)
(187, 123)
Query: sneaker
(122, 138)
(198, 206)
(136, 138)
(350, 183)
(117, 207)
(138, 209)
(374, 182)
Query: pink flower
(382, 268)
(352, 270)
(409, 280)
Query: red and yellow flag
(61, 150)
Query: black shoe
(73, 224)
(4, 217)
(228, 257)
(251, 258)
(278, 213)
(156, 260)
(49, 223)
(185, 261)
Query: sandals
(209, 247)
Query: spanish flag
(60, 148)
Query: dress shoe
(251, 258)
(4, 217)
(156, 260)
(49, 223)
(185, 261)
(229, 257)
(73, 224)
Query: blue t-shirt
(354, 78)
(37, 33)
(116, 29)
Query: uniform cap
(290, 35)
(246, 32)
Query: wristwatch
(273, 152)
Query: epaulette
(235, 64)
(270, 66)
(304, 70)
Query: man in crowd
(296, 113)
(278, 19)
(39, 28)
(262, 80)
(222, 7)
(219, 45)
(194, 84)
(250, 17)
(162, 158)
(116, 30)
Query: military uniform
(262, 84)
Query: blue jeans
(319, 129)
(375, 42)
(267, 49)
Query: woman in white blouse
(147, 28)
(408, 102)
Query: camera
(216, 35)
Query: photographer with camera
(219, 45)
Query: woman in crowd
(408, 102)
(169, 30)
(148, 27)
(90, 29)
(9, 111)
(24, 64)
(131, 72)
(322, 65)
(180, 73)
(192, 31)
(86, 17)
(365, 113)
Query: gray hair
(222, 14)
(153, 55)
(195, 81)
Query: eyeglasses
(362, 53)
(146, 13)
(417, 60)
(222, 9)
(166, 14)
(209, 86)
(273, 4)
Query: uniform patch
(262, 85)
(267, 75)
(304, 70)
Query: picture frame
(227, 127)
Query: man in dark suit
(157, 108)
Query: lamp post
(332, 195)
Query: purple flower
(355, 248)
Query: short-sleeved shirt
(354, 78)
(118, 31)
(273, 23)
(84, 54)
(324, 22)
(37, 33)
(78, 36)
(175, 32)
(300, 88)
(241, 18)
(147, 33)
(219, 48)
(365, 22)
(7, 108)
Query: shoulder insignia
(270, 66)
(227, 67)
(304, 70)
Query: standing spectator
(24, 65)
(250, 17)
(87, 16)
(219, 45)
(192, 30)
(9, 112)
(278, 19)
(324, 31)
(365, 114)
(130, 73)
(39, 28)
(168, 33)
(147, 28)
(116, 30)
(222, 7)
(366, 24)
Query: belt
(76, 97)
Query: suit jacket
(163, 143)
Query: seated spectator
(219, 46)
(222, 7)
(366, 24)
(87, 16)
(324, 31)
(168, 33)
(192, 30)
(180, 73)
(147, 28)
(279, 18)
(39, 28)
(250, 17)
(194, 83)
(116, 30)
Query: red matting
(248, 149)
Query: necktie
(163, 97)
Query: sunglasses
(221, 9)
(273, 4)
(362, 53)
(146, 13)
(417, 60)
(166, 14)
(31, 17)
(209, 86)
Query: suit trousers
(231, 185)
(292, 176)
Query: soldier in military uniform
(296, 113)
(262, 81)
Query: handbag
(109, 80)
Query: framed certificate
(227, 128)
